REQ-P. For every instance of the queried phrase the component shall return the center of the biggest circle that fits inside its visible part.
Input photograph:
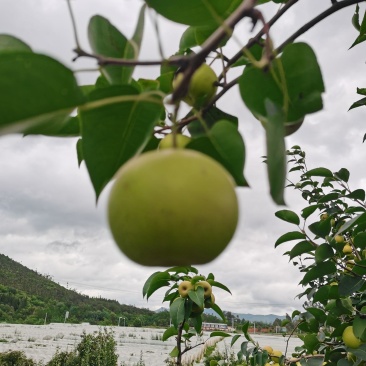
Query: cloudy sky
(48, 218)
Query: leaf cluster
(329, 250)
(186, 310)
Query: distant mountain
(268, 319)
(161, 310)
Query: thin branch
(73, 22)
(195, 60)
(257, 37)
(336, 6)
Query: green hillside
(27, 296)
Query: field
(40, 342)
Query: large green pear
(172, 207)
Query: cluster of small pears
(185, 287)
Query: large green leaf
(294, 83)
(289, 216)
(320, 270)
(218, 284)
(154, 282)
(170, 332)
(225, 144)
(323, 252)
(348, 285)
(319, 172)
(276, 152)
(197, 296)
(35, 90)
(106, 40)
(116, 125)
(177, 311)
(194, 12)
(320, 228)
(301, 248)
(359, 219)
(292, 235)
(213, 115)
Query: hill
(27, 296)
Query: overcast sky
(48, 218)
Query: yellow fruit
(324, 216)
(202, 86)
(206, 287)
(339, 239)
(168, 141)
(349, 338)
(269, 349)
(276, 355)
(184, 287)
(347, 249)
(172, 207)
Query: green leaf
(106, 40)
(193, 12)
(213, 115)
(320, 228)
(318, 271)
(111, 129)
(348, 285)
(79, 151)
(177, 311)
(219, 334)
(329, 197)
(360, 240)
(170, 332)
(288, 216)
(301, 248)
(224, 144)
(342, 174)
(218, 284)
(323, 252)
(197, 296)
(311, 342)
(276, 152)
(10, 43)
(154, 282)
(292, 235)
(360, 352)
(318, 314)
(359, 219)
(357, 194)
(359, 328)
(234, 339)
(48, 87)
(307, 211)
(319, 172)
(174, 352)
(294, 82)
(359, 103)
(218, 311)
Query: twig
(336, 6)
